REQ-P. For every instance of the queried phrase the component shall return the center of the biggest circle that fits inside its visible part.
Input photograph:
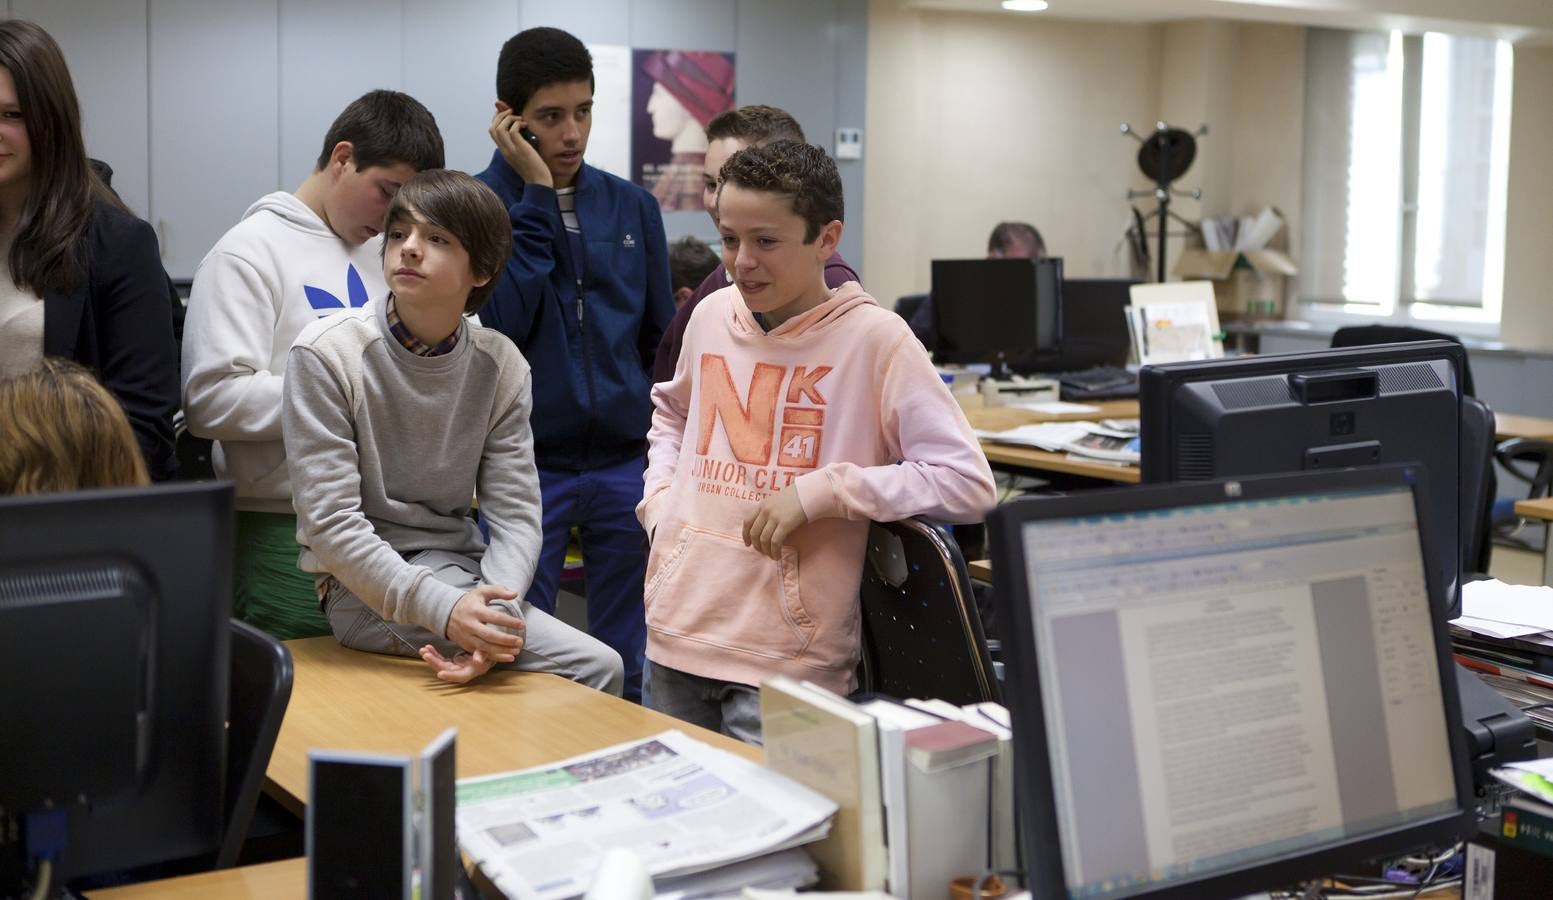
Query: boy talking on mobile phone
(585, 295)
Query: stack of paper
(1086, 440)
(683, 807)
(1505, 611)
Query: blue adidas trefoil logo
(325, 303)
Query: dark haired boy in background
(292, 259)
(585, 295)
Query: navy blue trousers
(601, 504)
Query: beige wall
(1527, 318)
(973, 119)
(977, 118)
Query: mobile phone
(531, 137)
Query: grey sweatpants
(550, 645)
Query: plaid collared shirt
(411, 342)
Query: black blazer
(119, 324)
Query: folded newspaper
(680, 805)
(1081, 439)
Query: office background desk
(1029, 460)
(348, 700)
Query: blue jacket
(591, 349)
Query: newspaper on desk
(1083, 440)
(680, 805)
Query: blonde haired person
(61, 430)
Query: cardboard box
(1247, 284)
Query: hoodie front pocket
(712, 589)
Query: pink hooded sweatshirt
(843, 403)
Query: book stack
(1516, 859)
(924, 789)
(1505, 634)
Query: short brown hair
(385, 128)
(468, 210)
(64, 432)
(1006, 234)
(803, 172)
(756, 125)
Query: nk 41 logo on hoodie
(749, 422)
(325, 303)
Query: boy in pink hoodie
(797, 414)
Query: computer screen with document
(1226, 686)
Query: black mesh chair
(260, 690)
(1529, 460)
(922, 636)
(1366, 335)
(1477, 487)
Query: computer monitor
(1006, 312)
(1290, 412)
(1094, 323)
(115, 606)
(1226, 687)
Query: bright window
(1405, 160)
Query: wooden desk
(1512, 425)
(348, 700)
(1029, 459)
(287, 878)
(1542, 511)
(980, 569)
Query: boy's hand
(461, 669)
(769, 524)
(519, 153)
(473, 624)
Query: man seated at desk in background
(1009, 240)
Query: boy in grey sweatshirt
(394, 417)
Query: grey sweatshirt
(386, 449)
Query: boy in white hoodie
(797, 413)
(293, 258)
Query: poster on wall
(609, 141)
(674, 93)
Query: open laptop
(1227, 686)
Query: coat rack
(1165, 156)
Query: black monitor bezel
(1034, 790)
(1025, 357)
(146, 823)
(1157, 385)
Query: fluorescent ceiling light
(1024, 5)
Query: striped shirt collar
(412, 343)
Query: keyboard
(1100, 383)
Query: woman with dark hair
(82, 277)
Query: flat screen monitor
(1327, 409)
(1227, 687)
(1006, 312)
(116, 605)
(1094, 323)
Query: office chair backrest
(1530, 460)
(1478, 486)
(922, 636)
(260, 691)
(1366, 335)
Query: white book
(895, 720)
(826, 743)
